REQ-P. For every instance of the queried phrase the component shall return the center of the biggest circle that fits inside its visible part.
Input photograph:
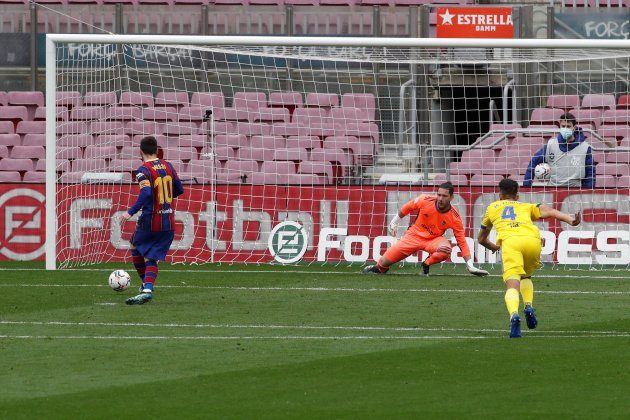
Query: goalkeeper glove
(474, 270)
(392, 229)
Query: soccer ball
(119, 280)
(542, 171)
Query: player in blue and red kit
(159, 185)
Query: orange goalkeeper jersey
(431, 223)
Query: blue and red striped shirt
(159, 185)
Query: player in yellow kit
(518, 238)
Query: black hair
(448, 186)
(148, 145)
(568, 117)
(508, 187)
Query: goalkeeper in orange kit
(435, 216)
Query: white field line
(583, 274)
(337, 289)
(297, 327)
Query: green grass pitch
(320, 342)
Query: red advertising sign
(474, 22)
(344, 223)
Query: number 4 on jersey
(508, 213)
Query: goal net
(302, 149)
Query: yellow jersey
(512, 218)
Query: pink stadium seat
(225, 153)
(310, 117)
(546, 116)
(180, 128)
(14, 114)
(231, 140)
(588, 117)
(345, 116)
(208, 99)
(504, 128)
(613, 169)
(232, 114)
(598, 101)
(616, 117)
(322, 169)
(281, 169)
(457, 180)
(507, 168)
(32, 98)
(160, 114)
(253, 129)
(180, 153)
(614, 133)
(135, 140)
(7, 127)
(254, 153)
(623, 182)
(269, 142)
(563, 102)
(34, 176)
(146, 128)
(289, 129)
(129, 98)
(307, 142)
(4, 151)
(342, 166)
(362, 152)
(71, 177)
(87, 113)
(364, 131)
(599, 144)
(251, 100)
(80, 140)
(89, 165)
(100, 152)
(321, 100)
(623, 102)
(192, 113)
(31, 127)
(546, 131)
(10, 140)
(467, 168)
(606, 181)
(293, 154)
(191, 140)
(10, 176)
(479, 155)
(34, 140)
(4, 98)
(72, 127)
(61, 113)
(172, 99)
(20, 165)
(617, 157)
(124, 165)
(363, 101)
(219, 127)
(28, 152)
(288, 100)
(99, 98)
(479, 180)
(237, 171)
(527, 142)
(69, 99)
(270, 115)
(106, 127)
(116, 140)
(69, 152)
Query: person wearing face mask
(569, 156)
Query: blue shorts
(153, 245)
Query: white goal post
(333, 133)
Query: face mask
(566, 132)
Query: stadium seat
(307, 142)
(14, 114)
(253, 129)
(588, 117)
(623, 182)
(220, 127)
(10, 140)
(4, 151)
(69, 152)
(237, 171)
(363, 101)
(483, 180)
(232, 114)
(321, 100)
(457, 180)
(30, 99)
(28, 152)
(613, 169)
(160, 114)
(72, 127)
(10, 176)
(270, 115)
(545, 116)
(116, 140)
(250, 100)
(623, 102)
(7, 127)
(255, 153)
(292, 154)
(100, 152)
(614, 133)
(503, 167)
(617, 157)
(4, 98)
(192, 113)
(321, 169)
(135, 140)
(146, 128)
(563, 102)
(466, 168)
(361, 152)
(208, 99)
(288, 100)
(89, 165)
(87, 113)
(31, 127)
(80, 140)
(175, 100)
(616, 117)
(598, 101)
(342, 167)
(197, 141)
(599, 144)
(19, 165)
(289, 129)
(34, 176)
(269, 142)
(34, 140)
(231, 140)
(61, 113)
(345, 116)
(180, 128)
(478, 155)
(106, 127)
(180, 153)
(606, 181)
(99, 98)
(310, 117)
(71, 177)
(225, 153)
(124, 165)
(69, 99)
(142, 99)
(504, 128)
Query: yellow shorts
(521, 256)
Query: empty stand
(563, 102)
(28, 152)
(322, 169)
(623, 102)
(208, 99)
(457, 180)
(485, 180)
(129, 98)
(545, 116)
(175, 99)
(598, 101)
(69, 99)
(363, 101)
(238, 171)
(7, 127)
(588, 117)
(321, 100)
(99, 98)
(249, 100)
(288, 100)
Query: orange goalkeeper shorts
(411, 243)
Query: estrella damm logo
(288, 242)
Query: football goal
(301, 149)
